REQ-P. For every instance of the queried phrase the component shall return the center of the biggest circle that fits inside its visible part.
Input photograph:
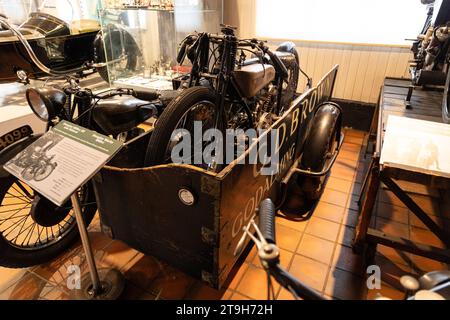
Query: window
(355, 21)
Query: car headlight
(46, 102)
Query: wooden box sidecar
(188, 217)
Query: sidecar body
(191, 218)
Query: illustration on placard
(38, 162)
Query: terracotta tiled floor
(317, 250)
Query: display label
(62, 160)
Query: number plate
(15, 135)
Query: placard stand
(98, 284)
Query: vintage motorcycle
(431, 48)
(226, 90)
(32, 229)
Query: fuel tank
(252, 78)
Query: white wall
(362, 67)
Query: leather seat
(120, 114)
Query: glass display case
(153, 29)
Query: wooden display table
(411, 150)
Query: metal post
(96, 285)
(408, 97)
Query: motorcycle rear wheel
(18, 228)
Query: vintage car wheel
(193, 104)
(320, 144)
(30, 233)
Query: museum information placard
(62, 160)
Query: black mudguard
(12, 150)
(326, 122)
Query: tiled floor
(317, 250)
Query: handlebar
(267, 220)
(191, 39)
(268, 252)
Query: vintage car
(46, 45)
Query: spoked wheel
(32, 229)
(175, 128)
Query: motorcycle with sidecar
(197, 219)
(220, 198)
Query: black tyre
(193, 104)
(319, 147)
(28, 239)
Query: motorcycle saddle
(121, 114)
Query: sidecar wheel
(24, 250)
(321, 142)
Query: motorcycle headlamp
(46, 102)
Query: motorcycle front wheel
(35, 231)
(176, 126)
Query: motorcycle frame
(225, 87)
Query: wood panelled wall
(362, 68)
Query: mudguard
(12, 150)
(327, 119)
